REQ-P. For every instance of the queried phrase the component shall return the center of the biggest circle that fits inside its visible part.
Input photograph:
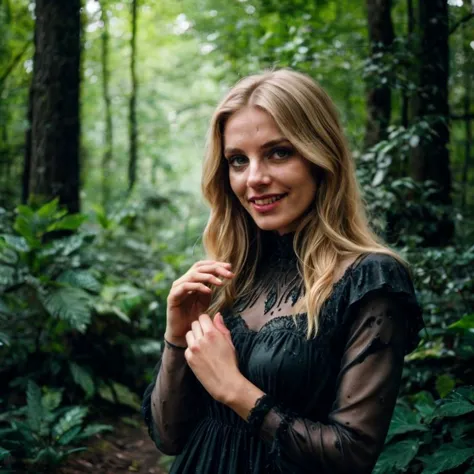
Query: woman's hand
(212, 357)
(190, 296)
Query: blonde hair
(334, 229)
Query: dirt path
(128, 449)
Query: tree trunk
(381, 36)
(132, 168)
(25, 187)
(467, 120)
(405, 97)
(55, 128)
(108, 135)
(430, 160)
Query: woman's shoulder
(378, 272)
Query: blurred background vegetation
(104, 107)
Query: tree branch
(460, 22)
(13, 64)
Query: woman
(299, 370)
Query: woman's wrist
(176, 342)
(243, 397)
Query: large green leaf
(444, 385)
(83, 378)
(51, 400)
(70, 222)
(456, 403)
(70, 304)
(15, 242)
(73, 417)
(124, 395)
(35, 408)
(48, 210)
(448, 456)
(30, 230)
(397, 457)
(404, 421)
(80, 279)
(425, 404)
(467, 322)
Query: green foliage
(435, 436)
(46, 285)
(44, 435)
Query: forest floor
(128, 449)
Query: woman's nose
(258, 175)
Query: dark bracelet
(262, 406)
(174, 346)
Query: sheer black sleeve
(172, 404)
(381, 320)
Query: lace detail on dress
(262, 406)
(278, 282)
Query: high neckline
(279, 247)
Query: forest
(104, 109)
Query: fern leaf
(69, 304)
(91, 430)
(47, 457)
(82, 378)
(80, 279)
(123, 395)
(71, 418)
(35, 408)
(51, 400)
(69, 436)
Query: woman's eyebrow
(269, 144)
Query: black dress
(329, 399)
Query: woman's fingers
(202, 263)
(205, 274)
(197, 330)
(184, 288)
(206, 323)
(190, 339)
(221, 327)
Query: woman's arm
(368, 383)
(172, 404)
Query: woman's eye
(282, 152)
(237, 160)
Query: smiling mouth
(263, 202)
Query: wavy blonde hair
(334, 229)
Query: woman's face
(272, 181)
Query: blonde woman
(284, 350)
